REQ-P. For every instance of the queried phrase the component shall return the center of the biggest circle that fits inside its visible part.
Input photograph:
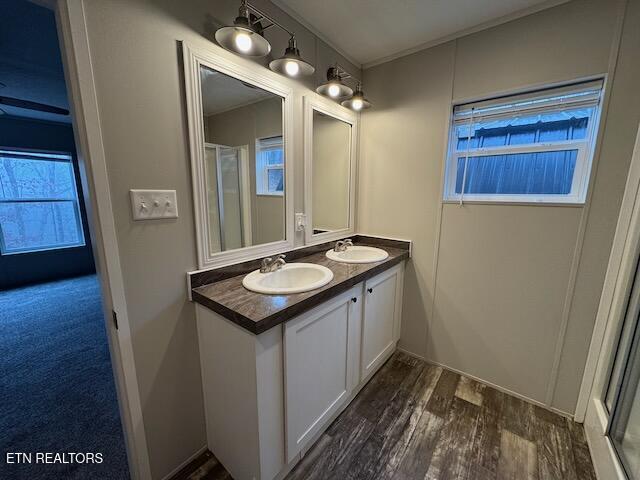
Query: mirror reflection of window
(331, 173)
(244, 162)
(270, 166)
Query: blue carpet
(57, 392)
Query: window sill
(269, 194)
(43, 250)
(516, 203)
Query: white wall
(490, 291)
(138, 72)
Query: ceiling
(370, 31)
(221, 92)
(30, 59)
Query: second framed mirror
(330, 151)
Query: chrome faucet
(270, 264)
(341, 245)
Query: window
(269, 166)
(39, 207)
(536, 147)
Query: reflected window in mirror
(244, 162)
(270, 166)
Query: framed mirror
(330, 151)
(240, 119)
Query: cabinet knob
(354, 299)
(370, 290)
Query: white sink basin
(291, 278)
(358, 254)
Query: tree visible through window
(536, 147)
(269, 166)
(39, 207)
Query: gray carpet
(57, 392)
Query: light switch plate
(153, 204)
(301, 222)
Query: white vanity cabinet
(381, 320)
(322, 361)
(268, 397)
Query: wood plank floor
(417, 421)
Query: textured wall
(490, 286)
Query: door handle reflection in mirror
(354, 299)
(370, 290)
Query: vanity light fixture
(334, 87)
(246, 37)
(357, 102)
(291, 63)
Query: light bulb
(292, 68)
(356, 104)
(334, 90)
(243, 41)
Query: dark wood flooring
(417, 421)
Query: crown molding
(467, 31)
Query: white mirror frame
(320, 104)
(248, 72)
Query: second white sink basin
(358, 254)
(291, 278)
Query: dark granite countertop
(257, 312)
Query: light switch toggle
(153, 204)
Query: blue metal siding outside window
(534, 147)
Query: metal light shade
(291, 63)
(357, 102)
(334, 88)
(243, 38)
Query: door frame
(81, 89)
(591, 408)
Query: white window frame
(584, 159)
(262, 169)
(46, 156)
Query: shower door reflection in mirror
(228, 191)
(244, 162)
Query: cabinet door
(321, 365)
(381, 324)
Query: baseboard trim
(411, 354)
(176, 470)
(492, 385)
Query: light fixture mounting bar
(343, 74)
(261, 15)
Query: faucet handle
(281, 256)
(339, 244)
(266, 261)
(348, 242)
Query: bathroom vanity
(284, 366)
(285, 344)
